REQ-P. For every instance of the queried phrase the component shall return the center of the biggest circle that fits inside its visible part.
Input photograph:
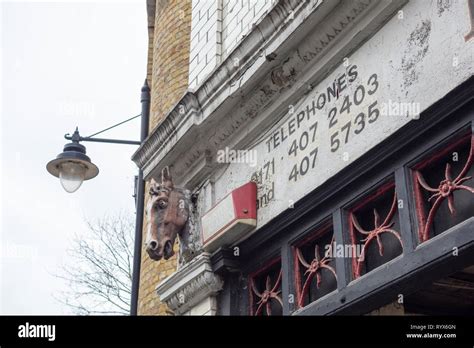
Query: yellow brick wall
(170, 56)
(168, 63)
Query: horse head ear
(153, 186)
(166, 179)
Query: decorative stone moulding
(293, 47)
(190, 285)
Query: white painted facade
(216, 29)
(402, 64)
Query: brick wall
(170, 56)
(169, 26)
(237, 19)
(217, 27)
(205, 39)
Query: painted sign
(320, 134)
(414, 60)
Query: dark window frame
(319, 232)
(251, 278)
(394, 157)
(385, 186)
(464, 136)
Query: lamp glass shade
(71, 175)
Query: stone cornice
(294, 40)
(225, 74)
(189, 285)
(167, 129)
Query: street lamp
(72, 167)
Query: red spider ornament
(445, 190)
(314, 269)
(379, 228)
(268, 294)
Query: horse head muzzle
(157, 250)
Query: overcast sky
(63, 64)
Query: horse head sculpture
(169, 215)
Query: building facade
(167, 73)
(309, 157)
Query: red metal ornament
(267, 295)
(445, 190)
(379, 228)
(314, 269)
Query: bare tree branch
(99, 271)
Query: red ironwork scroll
(444, 191)
(386, 226)
(313, 269)
(267, 295)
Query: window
(315, 272)
(374, 229)
(265, 290)
(443, 186)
